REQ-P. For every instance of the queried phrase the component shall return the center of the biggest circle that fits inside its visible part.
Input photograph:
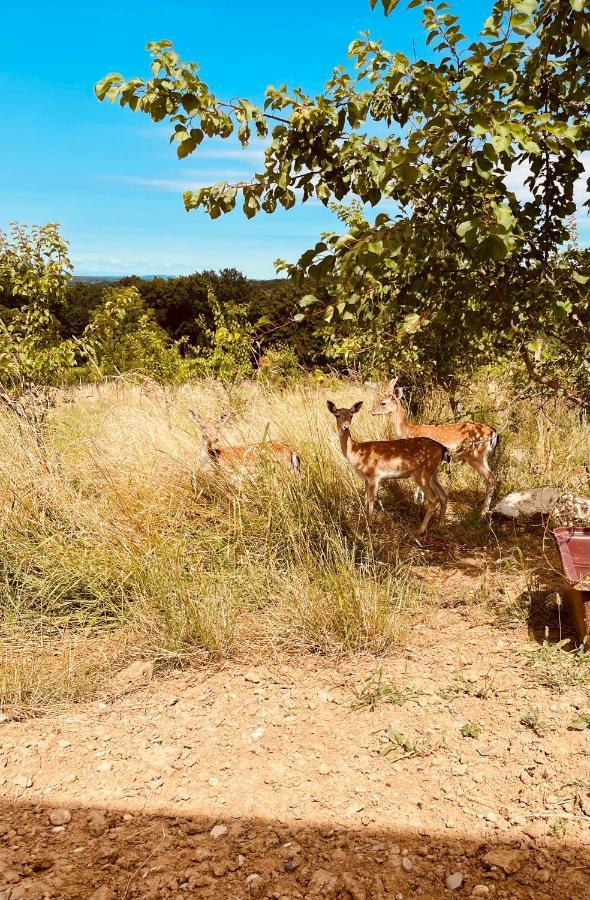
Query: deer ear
(356, 406)
(398, 393)
(331, 406)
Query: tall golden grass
(119, 537)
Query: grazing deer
(418, 458)
(241, 460)
(469, 442)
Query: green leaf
(464, 227)
(581, 279)
(577, 5)
(582, 32)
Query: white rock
(407, 864)
(454, 881)
(218, 830)
(60, 816)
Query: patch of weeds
(471, 730)
(483, 690)
(532, 719)
(409, 746)
(581, 723)
(554, 667)
(558, 828)
(376, 691)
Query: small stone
(395, 860)
(490, 817)
(454, 881)
(407, 864)
(257, 733)
(219, 869)
(23, 781)
(535, 830)
(139, 672)
(510, 861)
(290, 865)
(104, 767)
(218, 830)
(252, 677)
(200, 854)
(480, 890)
(459, 770)
(253, 877)
(60, 816)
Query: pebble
(252, 677)
(60, 816)
(454, 881)
(257, 733)
(491, 817)
(407, 864)
(480, 890)
(218, 830)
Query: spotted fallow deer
(418, 458)
(240, 460)
(470, 442)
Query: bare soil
(279, 778)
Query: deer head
(343, 416)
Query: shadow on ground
(107, 854)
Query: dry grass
(113, 521)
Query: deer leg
(370, 494)
(423, 482)
(482, 468)
(440, 493)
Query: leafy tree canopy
(458, 254)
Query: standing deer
(418, 458)
(241, 460)
(470, 442)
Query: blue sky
(109, 176)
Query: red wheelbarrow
(574, 548)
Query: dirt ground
(296, 778)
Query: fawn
(418, 458)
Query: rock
(480, 890)
(453, 882)
(23, 781)
(535, 830)
(459, 770)
(252, 677)
(219, 869)
(490, 817)
(139, 672)
(290, 865)
(528, 503)
(510, 861)
(200, 854)
(395, 860)
(104, 767)
(60, 816)
(321, 883)
(218, 830)
(257, 733)
(407, 864)
(102, 893)
(492, 748)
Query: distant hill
(101, 279)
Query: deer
(240, 460)
(469, 442)
(417, 458)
